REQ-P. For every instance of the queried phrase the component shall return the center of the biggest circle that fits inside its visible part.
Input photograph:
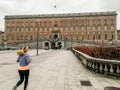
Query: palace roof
(109, 13)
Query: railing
(106, 67)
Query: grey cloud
(21, 7)
(110, 5)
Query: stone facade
(54, 29)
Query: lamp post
(24, 39)
(37, 37)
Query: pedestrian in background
(23, 68)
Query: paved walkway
(53, 70)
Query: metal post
(37, 37)
(24, 39)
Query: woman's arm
(28, 60)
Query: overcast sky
(26, 7)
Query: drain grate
(111, 88)
(85, 83)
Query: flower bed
(111, 53)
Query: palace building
(58, 30)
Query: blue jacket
(24, 60)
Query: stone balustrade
(106, 67)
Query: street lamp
(24, 39)
(37, 37)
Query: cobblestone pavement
(52, 70)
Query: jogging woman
(23, 69)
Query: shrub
(100, 52)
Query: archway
(59, 45)
(46, 45)
(53, 45)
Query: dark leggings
(23, 74)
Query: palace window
(87, 22)
(105, 27)
(13, 29)
(40, 23)
(12, 37)
(40, 34)
(112, 27)
(112, 22)
(99, 27)
(71, 33)
(13, 24)
(31, 29)
(21, 37)
(17, 37)
(88, 28)
(8, 24)
(66, 28)
(98, 22)
(93, 35)
(40, 29)
(22, 29)
(45, 23)
(76, 28)
(77, 36)
(105, 37)
(26, 29)
(82, 35)
(82, 22)
(82, 28)
(99, 35)
(71, 28)
(66, 33)
(79, 22)
(93, 28)
(18, 29)
(22, 23)
(45, 29)
(31, 38)
(112, 36)
(69, 23)
(61, 29)
(88, 35)
(7, 37)
(93, 22)
(50, 23)
(76, 22)
(105, 22)
(50, 29)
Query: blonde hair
(23, 51)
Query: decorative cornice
(109, 13)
